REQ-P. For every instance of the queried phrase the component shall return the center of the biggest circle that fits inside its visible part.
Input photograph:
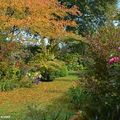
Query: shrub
(102, 81)
(12, 65)
(59, 72)
(78, 97)
(8, 85)
(35, 113)
(25, 83)
(51, 74)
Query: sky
(118, 4)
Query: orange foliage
(37, 15)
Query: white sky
(118, 4)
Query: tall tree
(93, 14)
(42, 16)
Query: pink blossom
(114, 60)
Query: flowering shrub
(102, 81)
(12, 65)
(115, 59)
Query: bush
(102, 81)
(25, 83)
(60, 72)
(35, 113)
(4, 86)
(49, 75)
(78, 97)
(12, 65)
(8, 85)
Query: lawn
(47, 95)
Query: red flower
(114, 60)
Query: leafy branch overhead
(45, 17)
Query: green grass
(46, 95)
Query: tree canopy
(42, 16)
(93, 14)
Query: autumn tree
(42, 16)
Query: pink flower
(113, 60)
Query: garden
(59, 60)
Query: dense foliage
(41, 40)
(35, 113)
(20, 65)
(13, 65)
(38, 16)
(98, 90)
(93, 14)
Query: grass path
(45, 94)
